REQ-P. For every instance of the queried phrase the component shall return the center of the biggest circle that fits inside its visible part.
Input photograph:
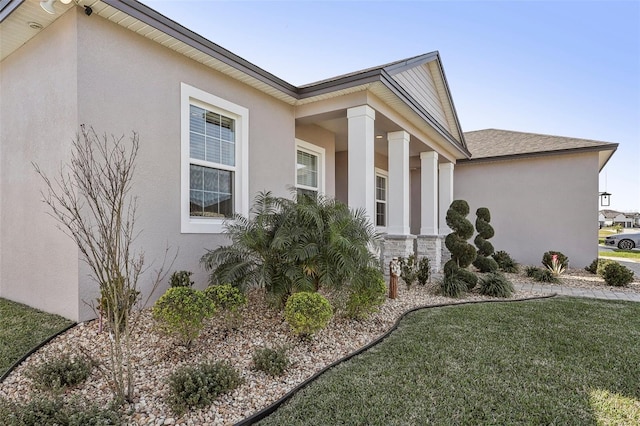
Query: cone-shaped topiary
(485, 249)
(462, 253)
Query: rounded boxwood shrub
(617, 275)
(307, 312)
(181, 311)
(496, 285)
(228, 300)
(273, 361)
(505, 261)
(366, 294)
(60, 372)
(198, 386)
(603, 264)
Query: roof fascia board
(342, 83)
(8, 6)
(411, 63)
(150, 17)
(450, 98)
(392, 85)
(612, 147)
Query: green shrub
(603, 264)
(593, 266)
(198, 386)
(307, 313)
(548, 256)
(452, 286)
(181, 279)
(287, 246)
(485, 249)
(228, 300)
(60, 372)
(181, 311)
(424, 271)
(617, 275)
(462, 253)
(505, 262)
(496, 285)
(542, 275)
(43, 411)
(272, 361)
(366, 295)
(408, 270)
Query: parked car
(623, 241)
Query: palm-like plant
(294, 245)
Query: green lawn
(22, 328)
(627, 254)
(554, 361)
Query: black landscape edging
(34, 349)
(260, 415)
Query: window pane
(307, 169)
(212, 137)
(381, 213)
(196, 149)
(227, 154)
(227, 129)
(211, 192)
(381, 188)
(302, 192)
(210, 180)
(213, 150)
(196, 119)
(195, 203)
(213, 125)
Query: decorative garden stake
(394, 272)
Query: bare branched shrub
(91, 199)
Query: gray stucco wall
(102, 75)
(38, 116)
(537, 204)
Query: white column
(361, 193)
(398, 199)
(429, 193)
(445, 195)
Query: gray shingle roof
(499, 143)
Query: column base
(432, 247)
(395, 246)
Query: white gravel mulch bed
(156, 356)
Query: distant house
(215, 130)
(612, 218)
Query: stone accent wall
(432, 246)
(396, 246)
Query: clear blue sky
(567, 68)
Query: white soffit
(15, 30)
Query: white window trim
(384, 174)
(190, 95)
(319, 152)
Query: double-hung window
(214, 161)
(381, 198)
(309, 169)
